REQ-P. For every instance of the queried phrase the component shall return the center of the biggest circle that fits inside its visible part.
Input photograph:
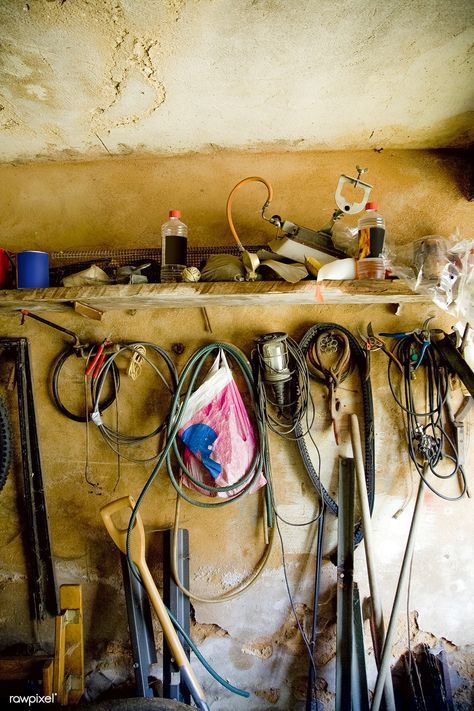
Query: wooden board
(262, 293)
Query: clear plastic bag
(345, 238)
(463, 288)
(442, 268)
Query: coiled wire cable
(296, 414)
(291, 416)
(114, 381)
(426, 434)
(115, 438)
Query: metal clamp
(352, 208)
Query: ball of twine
(191, 274)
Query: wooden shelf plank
(153, 296)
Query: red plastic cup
(4, 265)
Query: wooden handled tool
(137, 554)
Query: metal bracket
(352, 208)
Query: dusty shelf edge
(152, 296)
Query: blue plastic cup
(32, 270)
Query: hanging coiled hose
(358, 356)
(192, 369)
(188, 380)
(5, 443)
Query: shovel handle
(119, 535)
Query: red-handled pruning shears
(96, 363)
(372, 343)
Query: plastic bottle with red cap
(371, 237)
(174, 244)
(371, 232)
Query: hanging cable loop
(113, 436)
(113, 380)
(430, 447)
(192, 369)
(184, 389)
(282, 383)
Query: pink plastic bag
(219, 439)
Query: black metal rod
(345, 575)
(141, 630)
(360, 691)
(179, 605)
(311, 701)
(39, 557)
(25, 312)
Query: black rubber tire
(5, 443)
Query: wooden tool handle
(119, 535)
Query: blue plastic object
(32, 270)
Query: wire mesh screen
(65, 263)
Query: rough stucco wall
(84, 79)
(252, 640)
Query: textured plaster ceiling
(83, 78)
